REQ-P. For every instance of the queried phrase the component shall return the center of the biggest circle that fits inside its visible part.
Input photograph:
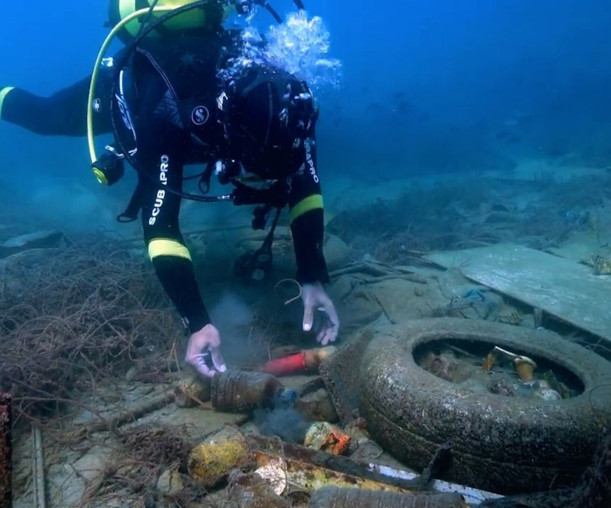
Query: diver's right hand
(204, 351)
(316, 299)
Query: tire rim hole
(461, 361)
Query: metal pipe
(38, 468)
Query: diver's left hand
(315, 298)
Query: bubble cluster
(298, 46)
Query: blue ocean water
(427, 87)
(440, 88)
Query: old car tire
(499, 443)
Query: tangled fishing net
(72, 317)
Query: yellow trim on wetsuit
(166, 247)
(305, 205)
(3, 93)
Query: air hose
(98, 63)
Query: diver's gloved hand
(316, 299)
(204, 351)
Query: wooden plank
(559, 286)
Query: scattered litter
(327, 437)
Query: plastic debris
(308, 359)
(326, 437)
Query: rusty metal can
(241, 391)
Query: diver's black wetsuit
(164, 83)
(61, 114)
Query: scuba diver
(175, 96)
